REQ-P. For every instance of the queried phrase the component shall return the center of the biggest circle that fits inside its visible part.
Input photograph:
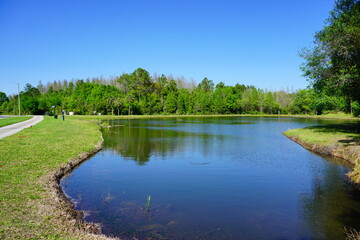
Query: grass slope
(12, 120)
(26, 158)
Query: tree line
(140, 93)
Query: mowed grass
(24, 159)
(339, 134)
(339, 115)
(12, 120)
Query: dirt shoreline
(63, 208)
(350, 154)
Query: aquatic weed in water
(148, 203)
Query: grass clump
(12, 120)
(27, 208)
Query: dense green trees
(139, 93)
(333, 64)
(3, 99)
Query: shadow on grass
(350, 130)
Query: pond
(213, 178)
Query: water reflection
(333, 203)
(213, 179)
(139, 142)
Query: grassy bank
(32, 162)
(12, 120)
(339, 140)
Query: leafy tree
(30, 100)
(3, 98)
(355, 108)
(171, 87)
(333, 64)
(125, 82)
(323, 102)
(303, 101)
(206, 85)
(255, 100)
(171, 92)
(159, 86)
(129, 102)
(223, 99)
(283, 99)
(219, 101)
(154, 103)
(142, 83)
(184, 101)
(202, 97)
(171, 103)
(3, 102)
(269, 105)
(246, 102)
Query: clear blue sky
(235, 41)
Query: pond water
(213, 178)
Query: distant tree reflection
(139, 141)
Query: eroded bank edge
(72, 218)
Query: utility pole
(19, 96)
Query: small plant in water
(148, 203)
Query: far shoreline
(346, 117)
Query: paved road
(17, 127)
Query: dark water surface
(213, 178)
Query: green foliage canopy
(333, 64)
(139, 93)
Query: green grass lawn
(12, 120)
(340, 134)
(339, 115)
(25, 158)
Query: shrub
(355, 108)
